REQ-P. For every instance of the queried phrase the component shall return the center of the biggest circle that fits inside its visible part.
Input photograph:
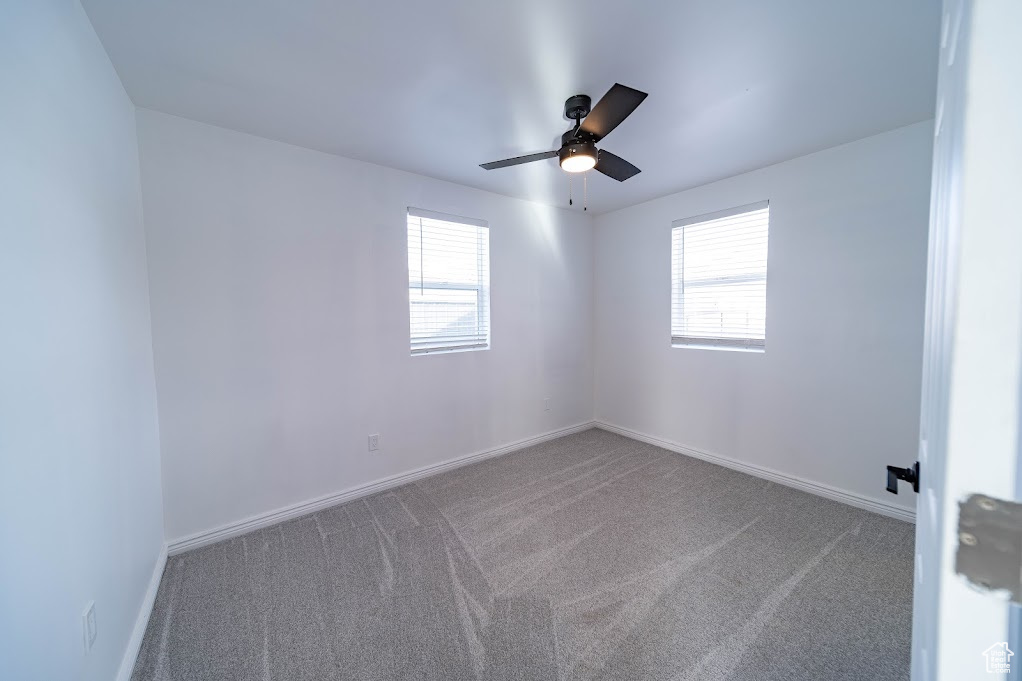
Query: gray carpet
(588, 557)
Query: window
(448, 282)
(718, 278)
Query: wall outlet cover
(374, 442)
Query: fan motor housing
(572, 137)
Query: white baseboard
(142, 621)
(819, 489)
(256, 522)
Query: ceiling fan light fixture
(578, 157)
(577, 152)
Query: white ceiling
(439, 87)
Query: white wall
(280, 323)
(835, 397)
(80, 500)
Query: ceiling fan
(578, 152)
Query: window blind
(718, 278)
(448, 282)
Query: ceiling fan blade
(517, 160)
(615, 166)
(615, 106)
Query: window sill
(449, 351)
(725, 348)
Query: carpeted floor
(588, 557)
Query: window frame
(482, 289)
(756, 345)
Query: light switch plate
(89, 629)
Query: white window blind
(448, 282)
(718, 278)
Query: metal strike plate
(990, 544)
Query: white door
(971, 406)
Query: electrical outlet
(89, 629)
(374, 442)
(546, 404)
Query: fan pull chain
(569, 190)
(585, 190)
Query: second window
(448, 282)
(719, 277)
